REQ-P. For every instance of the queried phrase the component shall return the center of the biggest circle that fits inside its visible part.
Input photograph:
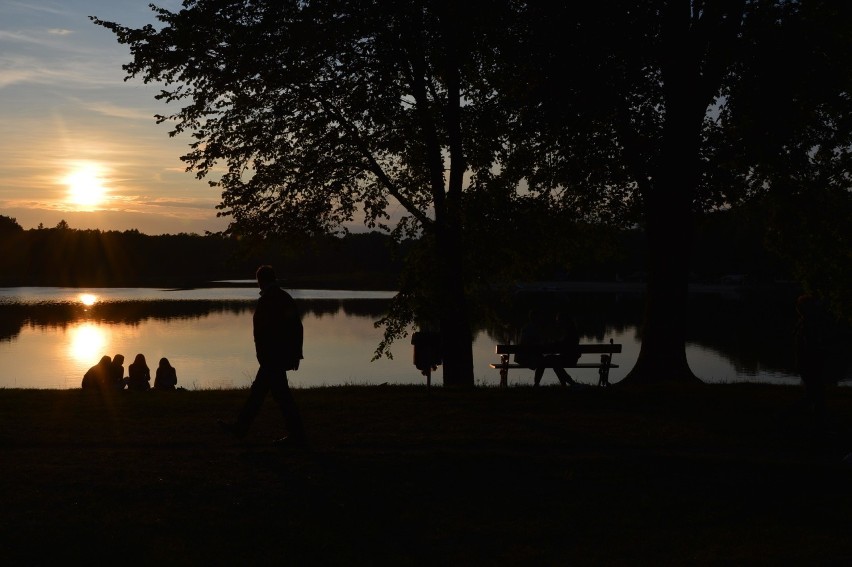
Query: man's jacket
(278, 332)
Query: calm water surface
(50, 336)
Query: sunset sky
(79, 143)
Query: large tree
(319, 110)
(685, 106)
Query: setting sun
(86, 185)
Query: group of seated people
(108, 374)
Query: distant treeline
(64, 256)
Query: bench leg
(603, 371)
(504, 370)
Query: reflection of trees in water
(597, 315)
(373, 308)
(14, 316)
(753, 331)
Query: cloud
(33, 7)
(62, 73)
(26, 70)
(50, 38)
(9, 77)
(17, 37)
(186, 203)
(60, 56)
(112, 110)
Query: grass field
(400, 475)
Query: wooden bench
(606, 350)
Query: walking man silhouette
(278, 337)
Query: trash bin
(427, 353)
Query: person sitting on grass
(166, 376)
(138, 374)
(117, 372)
(98, 376)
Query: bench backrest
(601, 348)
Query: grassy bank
(712, 475)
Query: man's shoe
(232, 428)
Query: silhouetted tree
(9, 225)
(321, 108)
(685, 106)
(11, 261)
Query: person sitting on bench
(535, 332)
(569, 340)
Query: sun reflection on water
(87, 342)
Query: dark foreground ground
(713, 475)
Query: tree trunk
(662, 356)
(458, 351)
(668, 213)
(456, 334)
(455, 318)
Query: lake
(50, 336)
